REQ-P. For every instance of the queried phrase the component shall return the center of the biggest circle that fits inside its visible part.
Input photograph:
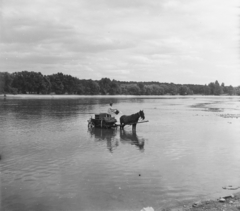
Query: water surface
(51, 160)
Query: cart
(102, 120)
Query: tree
(223, 87)
(19, 82)
(173, 89)
(33, 82)
(2, 83)
(155, 89)
(207, 90)
(94, 87)
(148, 90)
(105, 86)
(237, 90)
(133, 89)
(46, 85)
(56, 83)
(229, 90)
(130, 89)
(6, 82)
(142, 88)
(37, 82)
(115, 89)
(211, 88)
(217, 89)
(80, 88)
(183, 90)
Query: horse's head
(141, 113)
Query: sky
(178, 41)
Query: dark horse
(132, 119)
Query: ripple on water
(56, 160)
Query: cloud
(123, 39)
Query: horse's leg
(134, 127)
(122, 126)
(121, 123)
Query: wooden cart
(102, 120)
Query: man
(112, 111)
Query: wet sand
(229, 202)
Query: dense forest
(26, 82)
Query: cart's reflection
(108, 135)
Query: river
(51, 160)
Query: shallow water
(188, 150)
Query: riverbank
(229, 202)
(54, 96)
(35, 96)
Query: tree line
(26, 82)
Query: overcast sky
(179, 41)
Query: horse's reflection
(112, 140)
(107, 135)
(132, 138)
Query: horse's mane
(135, 114)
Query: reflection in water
(132, 138)
(105, 135)
(111, 136)
(53, 108)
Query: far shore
(54, 96)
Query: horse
(132, 119)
